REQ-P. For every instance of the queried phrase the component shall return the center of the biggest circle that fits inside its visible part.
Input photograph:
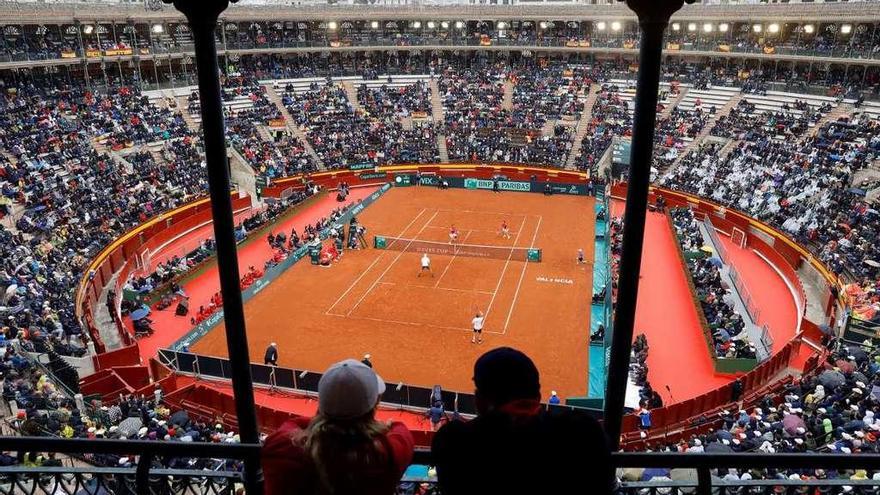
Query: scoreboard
(620, 148)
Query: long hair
(344, 452)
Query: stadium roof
(44, 12)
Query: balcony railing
(695, 473)
(148, 471)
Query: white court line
(436, 286)
(451, 289)
(471, 230)
(508, 213)
(521, 275)
(504, 270)
(371, 266)
(410, 323)
(391, 264)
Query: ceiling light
(88, 28)
(692, 26)
(502, 25)
(757, 28)
(459, 24)
(615, 26)
(331, 25)
(600, 26)
(723, 27)
(707, 27)
(676, 26)
(846, 29)
(431, 24)
(374, 24)
(444, 24)
(809, 28)
(773, 28)
(157, 28)
(417, 24)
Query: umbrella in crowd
(140, 313)
(180, 418)
(716, 261)
(130, 426)
(831, 379)
(791, 423)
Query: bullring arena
(400, 172)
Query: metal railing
(698, 473)
(691, 473)
(147, 472)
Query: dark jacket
(521, 449)
(271, 355)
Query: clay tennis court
(417, 329)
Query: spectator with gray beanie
(343, 449)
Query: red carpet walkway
(678, 357)
(774, 299)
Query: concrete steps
(725, 110)
(672, 104)
(241, 173)
(837, 112)
(272, 95)
(582, 125)
(193, 121)
(439, 116)
(507, 101)
(352, 94)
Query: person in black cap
(514, 446)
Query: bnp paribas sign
(504, 185)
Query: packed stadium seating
(82, 163)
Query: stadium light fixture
(809, 28)
(846, 29)
(707, 27)
(459, 24)
(374, 24)
(332, 25)
(88, 28)
(723, 27)
(773, 28)
(676, 26)
(692, 26)
(158, 28)
(600, 26)
(615, 26)
(432, 24)
(757, 28)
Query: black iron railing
(698, 473)
(153, 470)
(149, 469)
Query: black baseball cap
(506, 374)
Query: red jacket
(288, 470)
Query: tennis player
(453, 235)
(581, 260)
(505, 229)
(477, 323)
(426, 266)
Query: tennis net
(467, 250)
